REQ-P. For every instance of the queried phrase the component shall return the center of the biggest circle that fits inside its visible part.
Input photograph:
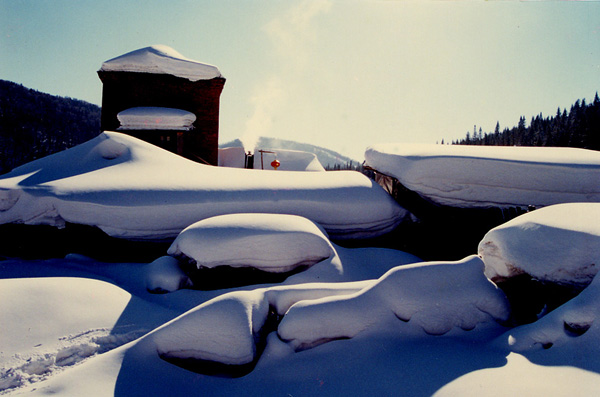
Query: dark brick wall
(124, 90)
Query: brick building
(155, 78)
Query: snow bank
(559, 244)
(483, 176)
(155, 118)
(269, 242)
(133, 189)
(434, 297)
(161, 59)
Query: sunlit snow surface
(364, 321)
(559, 244)
(161, 59)
(484, 176)
(130, 188)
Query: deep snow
(359, 321)
(491, 176)
(132, 189)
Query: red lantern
(275, 164)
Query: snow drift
(132, 189)
(434, 297)
(485, 176)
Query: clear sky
(339, 74)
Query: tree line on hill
(579, 127)
(34, 124)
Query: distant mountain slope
(34, 124)
(328, 158)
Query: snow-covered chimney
(159, 76)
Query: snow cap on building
(161, 59)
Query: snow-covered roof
(483, 176)
(161, 59)
(155, 118)
(289, 160)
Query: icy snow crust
(484, 176)
(270, 242)
(161, 59)
(155, 118)
(133, 189)
(559, 244)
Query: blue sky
(340, 74)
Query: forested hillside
(34, 124)
(579, 127)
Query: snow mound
(155, 118)
(268, 242)
(484, 176)
(576, 324)
(229, 332)
(558, 244)
(161, 59)
(222, 330)
(165, 275)
(132, 189)
(434, 297)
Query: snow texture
(132, 189)
(161, 59)
(269, 242)
(559, 244)
(484, 176)
(52, 323)
(155, 118)
(435, 297)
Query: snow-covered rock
(132, 189)
(269, 242)
(155, 118)
(165, 275)
(161, 59)
(558, 244)
(222, 330)
(576, 323)
(484, 176)
(434, 297)
(226, 334)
